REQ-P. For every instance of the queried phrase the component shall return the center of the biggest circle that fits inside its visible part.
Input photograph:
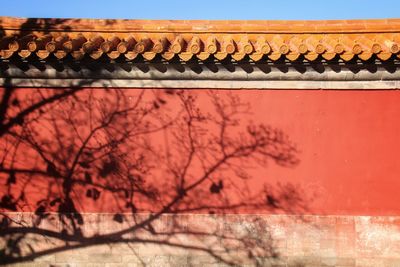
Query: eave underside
(235, 75)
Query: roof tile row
(201, 40)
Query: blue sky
(204, 9)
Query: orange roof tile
(201, 40)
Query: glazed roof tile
(201, 40)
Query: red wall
(349, 143)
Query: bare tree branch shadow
(105, 148)
(171, 167)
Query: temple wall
(291, 160)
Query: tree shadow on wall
(169, 166)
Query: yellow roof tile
(260, 40)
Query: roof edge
(201, 26)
